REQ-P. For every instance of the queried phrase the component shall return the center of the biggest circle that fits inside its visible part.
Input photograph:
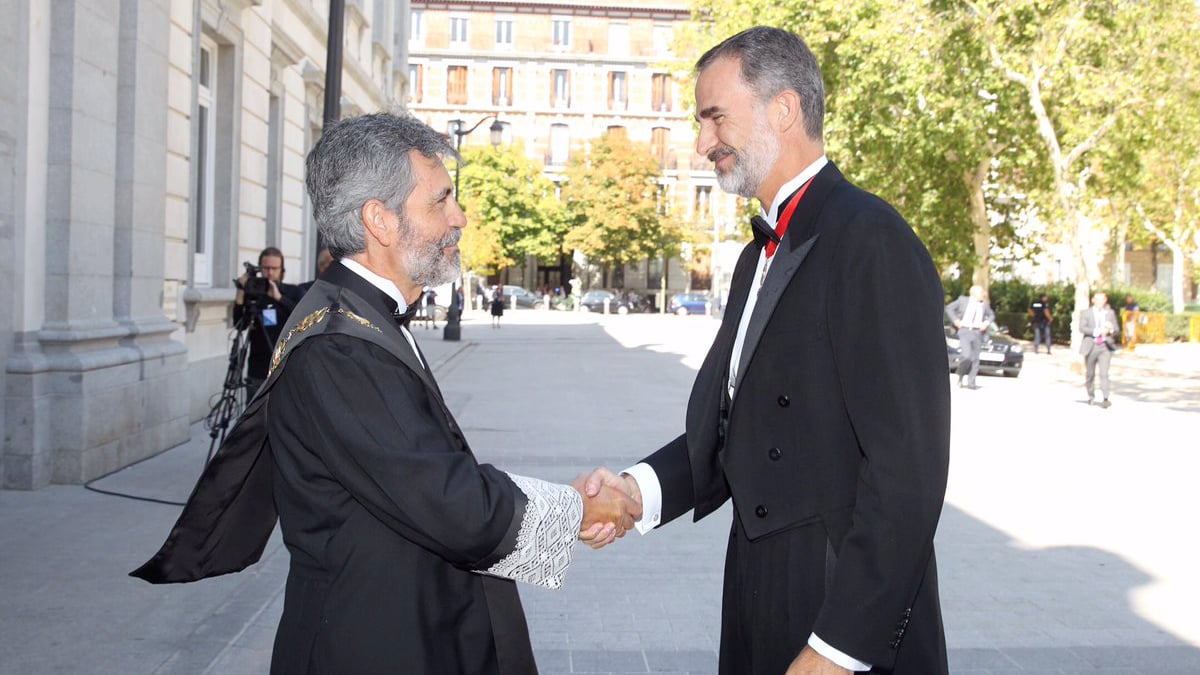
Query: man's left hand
(811, 663)
(273, 291)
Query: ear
(375, 219)
(787, 111)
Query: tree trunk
(980, 227)
(1178, 262)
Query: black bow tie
(761, 229)
(403, 318)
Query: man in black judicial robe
(822, 409)
(404, 549)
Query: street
(1067, 543)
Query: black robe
(385, 511)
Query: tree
(914, 113)
(612, 198)
(1078, 63)
(511, 209)
(1156, 180)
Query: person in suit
(822, 409)
(324, 260)
(404, 549)
(971, 315)
(1098, 323)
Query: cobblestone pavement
(1067, 544)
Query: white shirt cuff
(651, 489)
(840, 658)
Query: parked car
(689, 303)
(618, 303)
(524, 297)
(999, 352)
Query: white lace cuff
(549, 529)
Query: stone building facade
(148, 148)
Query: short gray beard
(752, 164)
(425, 261)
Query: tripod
(235, 391)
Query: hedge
(1010, 299)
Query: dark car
(618, 303)
(689, 303)
(523, 297)
(999, 352)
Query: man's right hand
(600, 481)
(607, 513)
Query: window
(660, 144)
(560, 144)
(702, 203)
(618, 38)
(502, 86)
(660, 92)
(662, 40)
(560, 88)
(458, 31)
(416, 26)
(618, 98)
(616, 131)
(414, 83)
(504, 32)
(456, 85)
(562, 33)
(203, 193)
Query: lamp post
(453, 329)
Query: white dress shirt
(645, 475)
(387, 286)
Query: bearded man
(822, 409)
(403, 547)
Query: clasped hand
(611, 506)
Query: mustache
(718, 154)
(451, 239)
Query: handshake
(611, 506)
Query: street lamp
(453, 329)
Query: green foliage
(1178, 326)
(1010, 299)
(511, 209)
(1060, 106)
(613, 204)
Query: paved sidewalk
(1067, 544)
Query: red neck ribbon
(781, 225)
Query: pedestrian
(822, 409)
(481, 293)
(497, 306)
(1041, 317)
(429, 308)
(1098, 325)
(1130, 315)
(971, 315)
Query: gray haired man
(404, 549)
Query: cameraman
(262, 306)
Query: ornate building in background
(558, 74)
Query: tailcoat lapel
(797, 243)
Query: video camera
(257, 287)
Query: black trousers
(774, 590)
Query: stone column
(99, 385)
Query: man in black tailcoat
(822, 409)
